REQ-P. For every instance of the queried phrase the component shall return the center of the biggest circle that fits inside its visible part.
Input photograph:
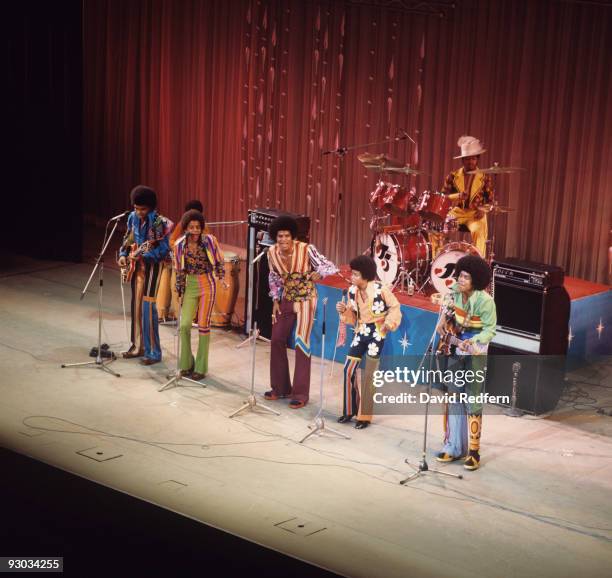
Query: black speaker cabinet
(533, 309)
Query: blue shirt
(154, 228)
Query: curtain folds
(234, 102)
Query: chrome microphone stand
(251, 402)
(175, 380)
(423, 467)
(514, 411)
(250, 308)
(99, 362)
(319, 427)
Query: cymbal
(406, 170)
(496, 170)
(495, 208)
(386, 164)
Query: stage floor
(539, 506)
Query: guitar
(136, 251)
(449, 340)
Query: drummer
(470, 192)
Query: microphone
(117, 217)
(260, 255)
(340, 151)
(404, 135)
(325, 299)
(344, 296)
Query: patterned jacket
(210, 257)
(481, 190)
(382, 307)
(294, 283)
(156, 228)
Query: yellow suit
(467, 211)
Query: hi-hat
(385, 164)
(496, 169)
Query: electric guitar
(136, 251)
(449, 340)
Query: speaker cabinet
(533, 309)
(540, 379)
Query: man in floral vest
(374, 311)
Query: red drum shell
(434, 206)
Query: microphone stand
(331, 371)
(251, 402)
(422, 467)
(250, 307)
(99, 363)
(514, 411)
(175, 380)
(319, 427)
(341, 151)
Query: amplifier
(260, 220)
(528, 273)
(533, 307)
(258, 303)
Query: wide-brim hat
(470, 147)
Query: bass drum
(225, 301)
(443, 266)
(407, 249)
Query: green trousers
(199, 292)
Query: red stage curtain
(234, 101)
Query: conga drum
(225, 300)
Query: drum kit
(412, 242)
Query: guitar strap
(468, 316)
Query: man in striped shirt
(294, 267)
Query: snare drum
(443, 265)
(412, 221)
(225, 300)
(434, 206)
(391, 252)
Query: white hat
(470, 147)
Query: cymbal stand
(491, 242)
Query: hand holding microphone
(341, 305)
